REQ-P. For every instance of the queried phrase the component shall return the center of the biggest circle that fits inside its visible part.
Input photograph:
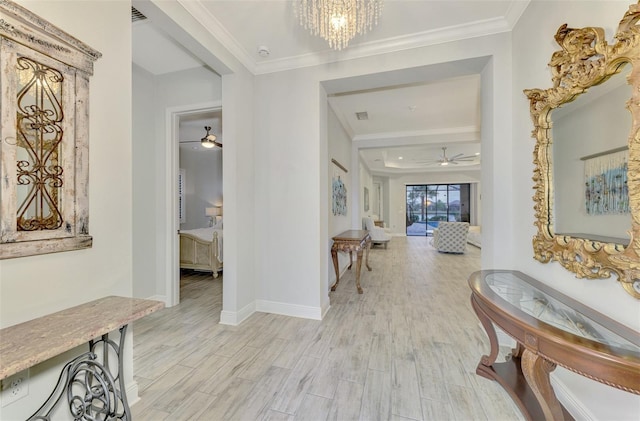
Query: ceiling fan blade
(456, 156)
(215, 142)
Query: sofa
(451, 237)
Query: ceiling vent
(362, 115)
(136, 15)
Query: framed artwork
(339, 196)
(44, 153)
(366, 199)
(606, 189)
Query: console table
(89, 385)
(550, 329)
(350, 241)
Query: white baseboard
(158, 297)
(235, 318)
(133, 395)
(293, 310)
(570, 401)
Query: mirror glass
(589, 155)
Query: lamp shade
(211, 211)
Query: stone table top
(27, 344)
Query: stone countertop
(27, 344)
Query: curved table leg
(358, 266)
(487, 360)
(334, 257)
(368, 246)
(536, 370)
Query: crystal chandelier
(338, 21)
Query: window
(45, 136)
(428, 204)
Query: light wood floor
(406, 349)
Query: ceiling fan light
(206, 143)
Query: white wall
(39, 285)
(339, 148)
(288, 121)
(144, 195)
(152, 97)
(366, 181)
(203, 184)
(532, 48)
(242, 241)
(600, 125)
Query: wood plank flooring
(406, 349)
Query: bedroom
(200, 191)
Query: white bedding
(206, 234)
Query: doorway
(174, 116)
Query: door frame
(171, 267)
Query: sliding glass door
(428, 204)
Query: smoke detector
(263, 51)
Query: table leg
(368, 246)
(536, 370)
(334, 257)
(484, 368)
(89, 389)
(358, 266)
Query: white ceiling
(411, 113)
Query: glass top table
(550, 329)
(515, 290)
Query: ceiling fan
(445, 160)
(208, 141)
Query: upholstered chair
(377, 234)
(451, 237)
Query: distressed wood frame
(24, 34)
(585, 60)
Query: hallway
(406, 349)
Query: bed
(201, 249)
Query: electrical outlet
(14, 387)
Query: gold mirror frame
(586, 60)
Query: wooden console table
(350, 241)
(90, 385)
(550, 329)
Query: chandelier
(338, 21)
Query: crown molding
(213, 25)
(389, 45)
(461, 134)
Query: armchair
(451, 237)
(377, 234)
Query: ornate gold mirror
(587, 186)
